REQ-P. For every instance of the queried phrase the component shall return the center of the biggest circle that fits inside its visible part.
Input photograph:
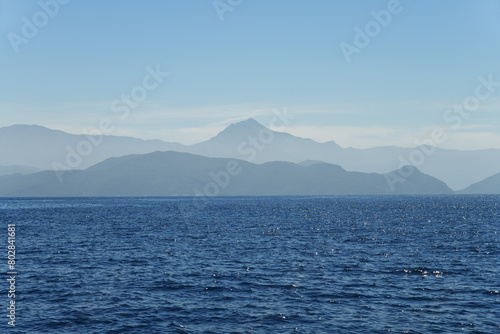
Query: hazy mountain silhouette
(174, 173)
(457, 168)
(8, 170)
(490, 185)
(39, 147)
(251, 141)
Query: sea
(329, 264)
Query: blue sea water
(410, 264)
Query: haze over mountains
(38, 147)
(458, 169)
(490, 185)
(13, 169)
(175, 173)
(27, 148)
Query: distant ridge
(491, 185)
(39, 148)
(308, 163)
(249, 140)
(174, 173)
(458, 169)
(8, 170)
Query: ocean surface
(369, 264)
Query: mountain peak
(249, 123)
(236, 130)
(24, 127)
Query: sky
(361, 73)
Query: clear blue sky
(263, 55)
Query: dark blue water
(255, 265)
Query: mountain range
(38, 147)
(26, 149)
(13, 169)
(490, 185)
(458, 169)
(176, 173)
